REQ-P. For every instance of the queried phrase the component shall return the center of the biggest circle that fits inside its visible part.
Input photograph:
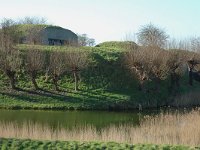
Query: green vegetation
(95, 89)
(104, 84)
(112, 75)
(117, 44)
(25, 28)
(17, 144)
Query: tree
(33, 20)
(148, 63)
(10, 61)
(176, 65)
(157, 65)
(34, 62)
(150, 35)
(195, 44)
(33, 34)
(34, 25)
(57, 66)
(135, 62)
(193, 61)
(182, 52)
(9, 33)
(91, 42)
(177, 61)
(83, 40)
(77, 60)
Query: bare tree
(193, 73)
(176, 67)
(91, 42)
(157, 67)
(177, 61)
(193, 63)
(33, 27)
(84, 40)
(34, 35)
(10, 63)
(135, 62)
(195, 44)
(9, 33)
(148, 63)
(76, 61)
(150, 35)
(130, 36)
(10, 60)
(184, 53)
(34, 62)
(57, 66)
(33, 20)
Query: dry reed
(169, 128)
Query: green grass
(117, 44)
(17, 144)
(81, 100)
(106, 84)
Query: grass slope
(105, 84)
(17, 144)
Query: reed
(169, 128)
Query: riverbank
(98, 99)
(73, 145)
(70, 100)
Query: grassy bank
(106, 84)
(170, 128)
(49, 145)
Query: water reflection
(70, 119)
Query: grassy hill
(106, 84)
(117, 44)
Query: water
(70, 119)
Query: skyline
(110, 20)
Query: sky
(111, 20)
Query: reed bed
(169, 128)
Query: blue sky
(106, 20)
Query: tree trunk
(141, 86)
(33, 79)
(75, 81)
(11, 76)
(190, 78)
(177, 81)
(46, 75)
(55, 82)
(172, 82)
(157, 83)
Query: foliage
(73, 145)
